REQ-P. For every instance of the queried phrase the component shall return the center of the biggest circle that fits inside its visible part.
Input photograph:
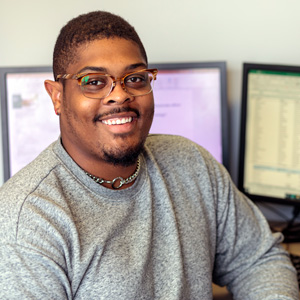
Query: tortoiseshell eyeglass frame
(80, 76)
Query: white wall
(265, 31)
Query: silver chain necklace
(120, 179)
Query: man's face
(86, 124)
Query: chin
(124, 157)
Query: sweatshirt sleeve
(28, 273)
(249, 258)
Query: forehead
(113, 55)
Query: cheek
(151, 115)
(148, 117)
(75, 103)
(150, 110)
(79, 109)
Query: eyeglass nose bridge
(114, 83)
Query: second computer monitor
(191, 101)
(270, 133)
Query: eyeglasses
(99, 85)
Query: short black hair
(87, 28)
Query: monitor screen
(191, 101)
(29, 124)
(269, 168)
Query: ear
(55, 91)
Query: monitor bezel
(221, 65)
(4, 109)
(247, 66)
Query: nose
(118, 94)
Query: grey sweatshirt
(180, 227)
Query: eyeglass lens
(99, 86)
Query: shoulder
(169, 143)
(180, 155)
(174, 147)
(15, 192)
(31, 175)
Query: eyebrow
(104, 70)
(134, 66)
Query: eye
(137, 79)
(94, 81)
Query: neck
(97, 167)
(118, 182)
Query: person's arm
(27, 273)
(34, 246)
(249, 258)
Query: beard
(122, 157)
(125, 156)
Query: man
(107, 212)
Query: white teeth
(117, 121)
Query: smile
(120, 121)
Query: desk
(221, 293)
(293, 248)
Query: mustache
(116, 110)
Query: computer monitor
(28, 124)
(269, 164)
(191, 101)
